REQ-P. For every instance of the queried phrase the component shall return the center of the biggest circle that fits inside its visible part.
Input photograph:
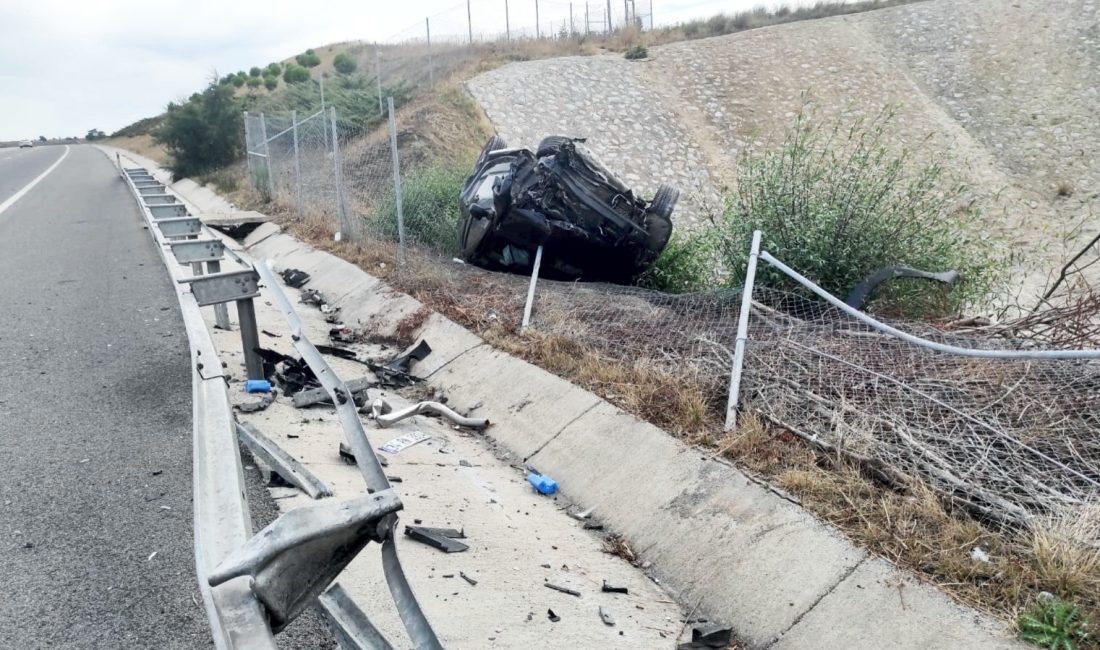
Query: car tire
(664, 201)
(659, 223)
(494, 143)
(551, 144)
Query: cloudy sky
(70, 66)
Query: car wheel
(551, 144)
(494, 143)
(664, 201)
(659, 223)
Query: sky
(77, 65)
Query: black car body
(590, 225)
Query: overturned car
(591, 226)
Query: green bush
(308, 59)
(271, 83)
(255, 71)
(273, 70)
(204, 133)
(688, 263)
(429, 199)
(295, 74)
(344, 63)
(1056, 625)
(636, 52)
(238, 80)
(254, 82)
(837, 204)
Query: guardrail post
(397, 187)
(531, 290)
(221, 311)
(250, 338)
(742, 333)
(297, 162)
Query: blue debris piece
(544, 484)
(257, 386)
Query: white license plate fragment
(404, 441)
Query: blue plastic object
(257, 386)
(544, 484)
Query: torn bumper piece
(386, 417)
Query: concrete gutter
(714, 538)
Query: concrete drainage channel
(728, 549)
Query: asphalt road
(95, 422)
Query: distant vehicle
(25, 144)
(591, 226)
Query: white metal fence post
(742, 333)
(428, 31)
(538, 32)
(507, 24)
(248, 151)
(338, 176)
(531, 290)
(397, 186)
(267, 159)
(469, 22)
(378, 77)
(297, 163)
(608, 26)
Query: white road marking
(27, 188)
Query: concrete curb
(721, 543)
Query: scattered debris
(348, 457)
(468, 579)
(465, 463)
(979, 555)
(295, 375)
(564, 590)
(294, 278)
(403, 361)
(448, 575)
(157, 472)
(591, 526)
(343, 353)
(403, 442)
(581, 516)
(608, 589)
(151, 556)
(276, 480)
(257, 386)
(606, 617)
(544, 484)
(385, 418)
(258, 405)
(344, 335)
(554, 618)
(440, 538)
(393, 479)
(616, 545)
(272, 334)
(320, 395)
(708, 636)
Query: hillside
(1008, 91)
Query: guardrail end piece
(298, 555)
(349, 624)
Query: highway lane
(21, 166)
(96, 538)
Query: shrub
(688, 263)
(429, 199)
(636, 52)
(344, 63)
(1056, 625)
(308, 59)
(295, 74)
(238, 80)
(255, 71)
(271, 83)
(204, 133)
(273, 70)
(254, 82)
(839, 204)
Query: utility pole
(626, 12)
(587, 25)
(469, 24)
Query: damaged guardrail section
(253, 586)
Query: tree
(273, 70)
(271, 83)
(295, 74)
(93, 134)
(203, 134)
(255, 71)
(238, 80)
(254, 82)
(308, 59)
(41, 138)
(344, 63)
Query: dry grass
(143, 145)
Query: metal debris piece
(402, 362)
(271, 334)
(581, 516)
(257, 405)
(385, 418)
(708, 636)
(320, 395)
(564, 590)
(348, 457)
(348, 622)
(344, 335)
(554, 618)
(606, 617)
(436, 538)
(403, 442)
(294, 278)
(282, 464)
(468, 579)
(608, 589)
(591, 526)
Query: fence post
(248, 151)
(338, 175)
(324, 126)
(538, 32)
(531, 290)
(469, 23)
(626, 13)
(608, 26)
(507, 24)
(397, 187)
(297, 163)
(378, 76)
(431, 72)
(267, 158)
(572, 29)
(587, 25)
(742, 333)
